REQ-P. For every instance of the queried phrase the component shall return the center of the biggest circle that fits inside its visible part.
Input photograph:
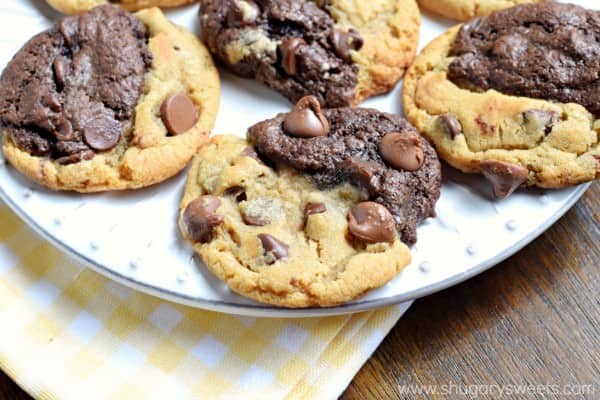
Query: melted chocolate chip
(102, 133)
(343, 42)
(504, 177)
(238, 193)
(288, 50)
(402, 150)
(363, 173)
(76, 157)
(306, 119)
(450, 125)
(64, 131)
(312, 209)
(273, 247)
(61, 67)
(200, 218)
(253, 220)
(371, 222)
(178, 113)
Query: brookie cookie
(514, 96)
(107, 100)
(340, 51)
(81, 6)
(463, 10)
(314, 208)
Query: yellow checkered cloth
(68, 333)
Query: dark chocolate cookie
(91, 80)
(379, 152)
(302, 47)
(78, 102)
(513, 96)
(544, 51)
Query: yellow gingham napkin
(69, 333)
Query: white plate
(132, 237)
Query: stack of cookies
(317, 205)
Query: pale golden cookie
(464, 10)
(321, 266)
(390, 29)
(81, 6)
(473, 130)
(146, 154)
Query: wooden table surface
(528, 328)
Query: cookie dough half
(464, 10)
(81, 6)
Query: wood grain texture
(534, 320)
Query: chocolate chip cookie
(464, 10)
(513, 96)
(81, 6)
(107, 100)
(313, 208)
(337, 50)
(274, 236)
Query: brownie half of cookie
(70, 91)
(291, 46)
(377, 151)
(547, 51)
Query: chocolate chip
(273, 247)
(60, 68)
(504, 177)
(288, 49)
(64, 130)
(67, 147)
(540, 119)
(75, 158)
(371, 222)
(450, 125)
(66, 27)
(343, 42)
(102, 132)
(254, 220)
(402, 150)
(238, 193)
(312, 209)
(178, 113)
(200, 218)
(242, 12)
(363, 173)
(52, 101)
(306, 119)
